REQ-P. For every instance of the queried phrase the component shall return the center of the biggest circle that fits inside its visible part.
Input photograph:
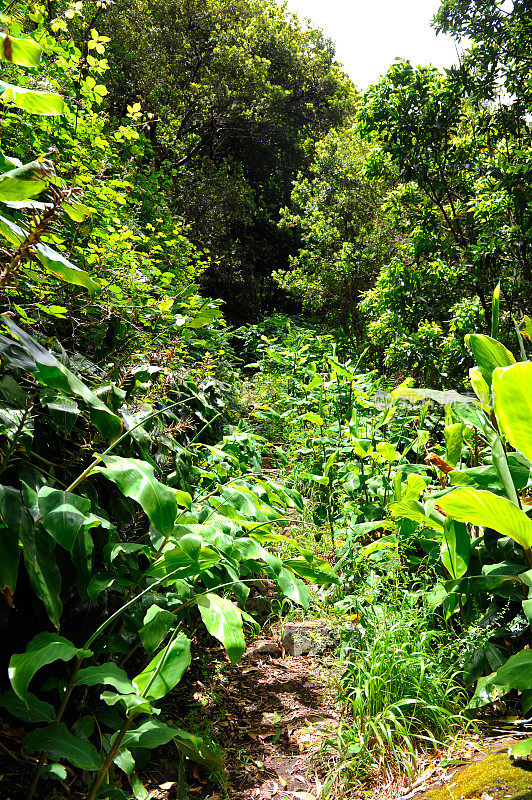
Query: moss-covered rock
(497, 774)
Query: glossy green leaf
(14, 519)
(149, 735)
(489, 511)
(11, 231)
(125, 761)
(487, 692)
(165, 670)
(480, 387)
(489, 354)
(223, 620)
(477, 419)
(25, 52)
(177, 559)
(13, 188)
(157, 624)
(45, 648)
(63, 514)
(315, 419)
(51, 260)
(152, 734)
(453, 443)
(522, 749)
(54, 771)
(292, 587)
(316, 570)
(517, 672)
(62, 268)
(106, 675)
(136, 479)
(414, 510)
(56, 376)
(512, 391)
(43, 572)
(57, 742)
(455, 548)
(29, 710)
(36, 102)
(132, 704)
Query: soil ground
(270, 712)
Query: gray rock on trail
(308, 639)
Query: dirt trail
(275, 710)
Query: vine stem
(109, 758)
(60, 711)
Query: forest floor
(267, 713)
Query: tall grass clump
(399, 693)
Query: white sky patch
(370, 34)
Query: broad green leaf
(56, 376)
(107, 675)
(480, 387)
(25, 52)
(16, 189)
(415, 486)
(489, 354)
(76, 211)
(517, 672)
(14, 519)
(62, 268)
(455, 548)
(489, 511)
(136, 479)
(57, 742)
(453, 443)
(488, 477)
(522, 749)
(43, 649)
(487, 692)
(12, 232)
(193, 747)
(63, 514)
(132, 703)
(30, 710)
(14, 356)
(125, 761)
(477, 419)
(149, 735)
(316, 570)
(340, 369)
(292, 587)
(8, 162)
(512, 391)
(387, 452)
(321, 479)
(177, 559)
(157, 624)
(43, 572)
(51, 260)
(223, 620)
(55, 772)
(414, 510)
(315, 419)
(36, 102)
(153, 734)
(165, 670)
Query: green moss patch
(495, 774)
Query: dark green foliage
(233, 94)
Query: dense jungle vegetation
(258, 329)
